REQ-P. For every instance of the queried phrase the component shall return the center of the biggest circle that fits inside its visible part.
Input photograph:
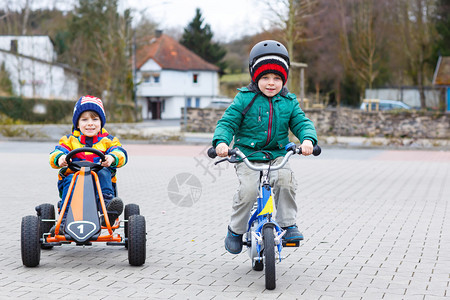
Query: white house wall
(31, 78)
(39, 47)
(178, 83)
(173, 108)
(174, 87)
(150, 66)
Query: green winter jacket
(266, 124)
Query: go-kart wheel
(269, 256)
(46, 211)
(30, 248)
(130, 210)
(136, 240)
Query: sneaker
(114, 209)
(233, 242)
(292, 233)
(53, 229)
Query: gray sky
(229, 19)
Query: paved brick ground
(376, 226)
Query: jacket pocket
(282, 143)
(246, 142)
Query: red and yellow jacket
(103, 141)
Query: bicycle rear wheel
(269, 257)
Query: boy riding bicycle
(260, 118)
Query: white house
(34, 73)
(170, 76)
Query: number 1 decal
(81, 228)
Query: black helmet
(268, 47)
(268, 57)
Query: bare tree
(14, 17)
(291, 19)
(360, 40)
(417, 34)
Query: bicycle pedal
(291, 243)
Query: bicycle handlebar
(291, 149)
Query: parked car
(220, 103)
(383, 105)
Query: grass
(230, 78)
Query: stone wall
(349, 122)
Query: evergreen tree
(198, 38)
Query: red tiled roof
(442, 73)
(169, 54)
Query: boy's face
(270, 84)
(89, 123)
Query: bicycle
(264, 237)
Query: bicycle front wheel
(269, 257)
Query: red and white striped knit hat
(269, 64)
(85, 103)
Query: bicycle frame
(264, 209)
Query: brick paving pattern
(376, 226)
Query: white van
(376, 104)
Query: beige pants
(283, 185)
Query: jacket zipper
(269, 131)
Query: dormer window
(149, 77)
(156, 77)
(146, 77)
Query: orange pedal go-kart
(84, 217)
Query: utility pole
(133, 62)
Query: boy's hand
(62, 161)
(109, 159)
(307, 147)
(222, 150)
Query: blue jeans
(104, 177)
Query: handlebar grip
(212, 152)
(317, 150)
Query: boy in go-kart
(88, 122)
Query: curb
(141, 134)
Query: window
(195, 78)
(146, 77)
(197, 102)
(14, 47)
(189, 102)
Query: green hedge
(20, 109)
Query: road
(376, 226)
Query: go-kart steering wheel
(77, 165)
